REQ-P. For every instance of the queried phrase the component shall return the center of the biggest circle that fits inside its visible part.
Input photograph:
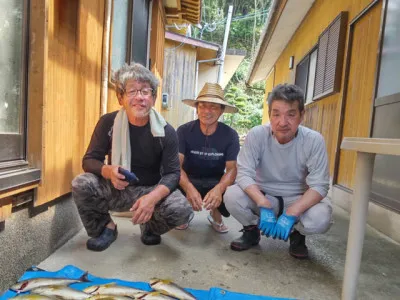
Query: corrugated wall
(179, 82)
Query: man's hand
(213, 198)
(117, 179)
(284, 227)
(142, 210)
(267, 221)
(194, 198)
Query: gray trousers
(95, 197)
(317, 219)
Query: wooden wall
(322, 115)
(269, 85)
(157, 46)
(66, 108)
(361, 82)
(179, 82)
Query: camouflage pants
(95, 196)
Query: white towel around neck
(121, 145)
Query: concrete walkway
(200, 258)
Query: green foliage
(248, 20)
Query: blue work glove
(283, 227)
(267, 221)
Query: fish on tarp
(62, 291)
(153, 296)
(29, 284)
(32, 297)
(171, 289)
(112, 289)
(109, 297)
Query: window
(130, 24)
(305, 74)
(329, 61)
(14, 169)
(13, 70)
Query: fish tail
(84, 277)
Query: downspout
(105, 58)
(149, 22)
(197, 78)
(197, 72)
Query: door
(386, 176)
(359, 95)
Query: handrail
(372, 145)
(366, 149)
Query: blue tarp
(74, 273)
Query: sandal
(218, 227)
(186, 225)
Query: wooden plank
(18, 190)
(75, 30)
(37, 83)
(5, 208)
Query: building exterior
(188, 64)
(56, 63)
(345, 56)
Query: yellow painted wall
(322, 115)
(269, 85)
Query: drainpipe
(149, 34)
(197, 72)
(105, 57)
(197, 78)
(225, 43)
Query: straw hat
(213, 93)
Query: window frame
(342, 18)
(307, 56)
(17, 142)
(129, 51)
(16, 172)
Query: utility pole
(225, 43)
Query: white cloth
(121, 146)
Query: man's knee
(317, 219)
(178, 209)
(232, 197)
(84, 185)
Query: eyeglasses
(145, 92)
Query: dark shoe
(103, 241)
(148, 238)
(222, 209)
(298, 248)
(250, 237)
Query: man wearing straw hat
(207, 154)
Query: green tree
(248, 20)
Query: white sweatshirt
(284, 170)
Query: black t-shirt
(205, 156)
(153, 159)
(146, 154)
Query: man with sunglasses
(143, 169)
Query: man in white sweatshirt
(283, 178)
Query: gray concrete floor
(200, 258)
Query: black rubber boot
(148, 238)
(298, 248)
(249, 238)
(103, 241)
